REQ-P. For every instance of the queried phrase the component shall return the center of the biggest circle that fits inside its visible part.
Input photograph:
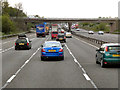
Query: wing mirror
(63, 45)
(97, 49)
(41, 45)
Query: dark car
(61, 37)
(52, 49)
(21, 35)
(22, 43)
(107, 54)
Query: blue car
(52, 49)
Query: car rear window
(60, 36)
(21, 40)
(114, 48)
(54, 32)
(52, 45)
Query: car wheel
(102, 64)
(30, 48)
(62, 58)
(97, 62)
(42, 59)
(16, 48)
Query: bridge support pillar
(69, 25)
(113, 27)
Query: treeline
(9, 26)
(95, 26)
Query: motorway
(24, 68)
(106, 37)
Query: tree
(7, 25)
(18, 7)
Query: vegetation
(9, 26)
(95, 26)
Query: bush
(7, 25)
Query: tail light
(61, 50)
(64, 37)
(43, 50)
(15, 44)
(106, 49)
(27, 44)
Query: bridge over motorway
(112, 21)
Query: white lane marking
(11, 47)
(86, 76)
(7, 49)
(83, 70)
(12, 77)
(14, 40)
(87, 43)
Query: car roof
(110, 44)
(52, 42)
(68, 32)
(61, 34)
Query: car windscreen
(52, 45)
(23, 40)
(114, 48)
(54, 32)
(59, 36)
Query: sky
(69, 8)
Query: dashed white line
(11, 78)
(86, 76)
(16, 73)
(11, 47)
(7, 49)
(84, 72)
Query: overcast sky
(69, 8)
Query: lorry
(54, 27)
(54, 31)
(41, 30)
(47, 30)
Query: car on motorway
(62, 31)
(22, 35)
(90, 32)
(52, 49)
(107, 54)
(77, 29)
(61, 37)
(100, 32)
(23, 43)
(68, 35)
(54, 34)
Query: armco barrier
(91, 39)
(11, 35)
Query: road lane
(63, 74)
(10, 42)
(13, 59)
(105, 37)
(51, 74)
(85, 54)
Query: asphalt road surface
(106, 37)
(24, 68)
